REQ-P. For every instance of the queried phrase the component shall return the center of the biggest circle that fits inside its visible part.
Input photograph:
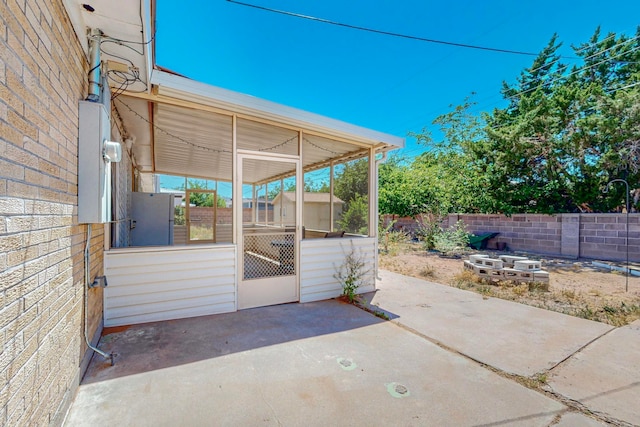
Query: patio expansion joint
(579, 350)
(532, 383)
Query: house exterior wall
(42, 77)
(154, 284)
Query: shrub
(351, 273)
(452, 240)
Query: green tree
(354, 218)
(351, 185)
(562, 136)
(202, 199)
(565, 134)
(352, 180)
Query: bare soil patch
(576, 288)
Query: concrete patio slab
(605, 376)
(511, 337)
(574, 419)
(323, 363)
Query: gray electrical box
(94, 178)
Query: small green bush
(452, 240)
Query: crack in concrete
(579, 350)
(273, 411)
(531, 383)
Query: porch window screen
(351, 186)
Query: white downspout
(377, 212)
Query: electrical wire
(586, 67)
(387, 33)
(123, 45)
(576, 71)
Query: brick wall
(526, 232)
(42, 77)
(603, 236)
(595, 236)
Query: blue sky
(385, 83)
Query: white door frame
(256, 292)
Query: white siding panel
(320, 259)
(168, 283)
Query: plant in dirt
(465, 279)
(426, 231)
(520, 290)
(381, 315)
(485, 290)
(383, 231)
(453, 240)
(569, 294)
(586, 313)
(351, 273)
(538, 287)
(427, 271)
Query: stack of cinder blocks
(506, 267)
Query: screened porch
(259, 203)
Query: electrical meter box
(94, 171)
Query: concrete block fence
(591, 235)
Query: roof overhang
(178, 87)
(128, 34)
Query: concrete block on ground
(527, 265)
(508, 260)
(468, 265)
(474, 258)
(541, 276)
(490, 262)
(487, 272)
(517, 275)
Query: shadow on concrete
(157, 345)
(365, 302)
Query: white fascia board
(74, 12)
(148, 37)
(186, 89)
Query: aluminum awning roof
(185, 128)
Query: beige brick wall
(42, 77)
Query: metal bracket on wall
(99, 282)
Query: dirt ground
(575, 287)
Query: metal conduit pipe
(87, 285)
(94, 63)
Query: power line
(387, 33)
(482, 102)
(576, 71)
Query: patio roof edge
(184, 88)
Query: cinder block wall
(602, 236)
(595, 236)
(42, 76)
(526, 232)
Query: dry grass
(427, 271)
(575, 289)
